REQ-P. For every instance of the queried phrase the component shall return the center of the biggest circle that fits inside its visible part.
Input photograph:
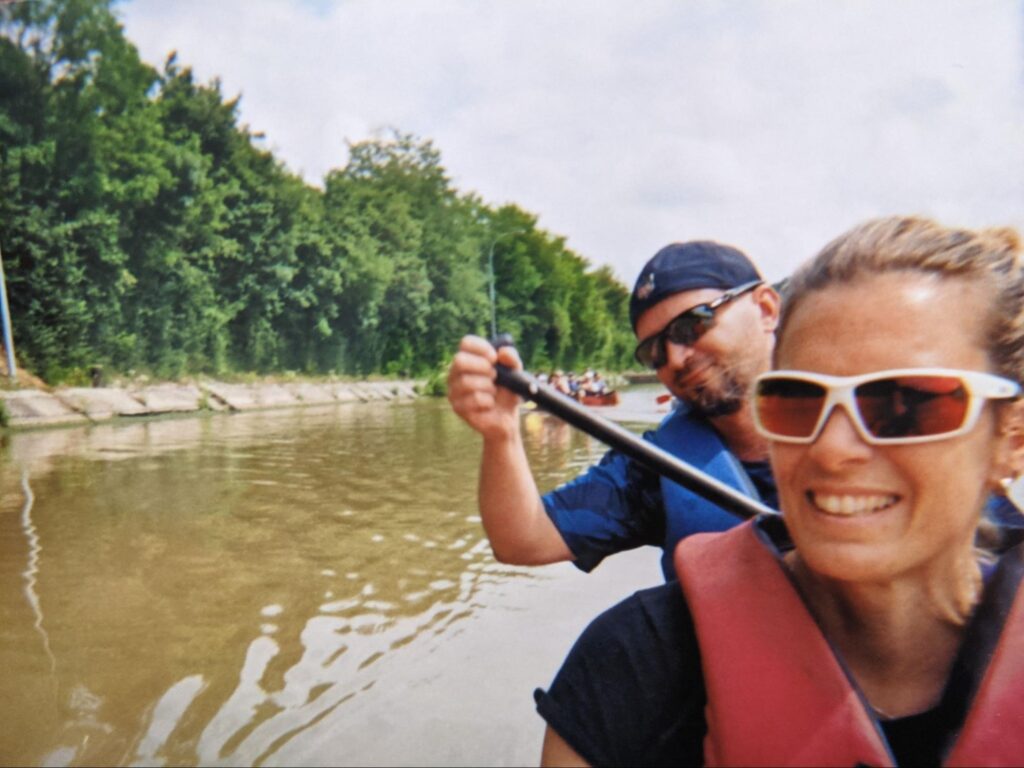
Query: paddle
(611, 434)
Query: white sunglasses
(895, 407)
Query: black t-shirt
(631, 691)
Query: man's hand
(489, 409)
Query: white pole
(6, 317)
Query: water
(303, 586)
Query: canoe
(605, 398)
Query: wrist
(503, 433)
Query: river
(305, 586)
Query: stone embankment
(27, 408)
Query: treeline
(143, 228)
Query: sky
(772, 125)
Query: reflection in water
(32, 569)
(216, 586)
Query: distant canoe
(605, 398)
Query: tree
(144, 228)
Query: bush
(437, 382)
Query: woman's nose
(839, 442)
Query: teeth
(848, 505)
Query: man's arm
(556, 752)
(513, 515)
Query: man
(705, 321)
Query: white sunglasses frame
(980, 387)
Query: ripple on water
(339, 606)
(207, 562)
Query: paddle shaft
(621, 439)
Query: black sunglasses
(686, 327)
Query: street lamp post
(490, 273)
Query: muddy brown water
(307, 586)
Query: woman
(869, 628)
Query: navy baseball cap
(687, 266)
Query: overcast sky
(773, 125)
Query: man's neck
(738, 433)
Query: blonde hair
(991, 257)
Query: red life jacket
(777, 694)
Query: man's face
(714, 375)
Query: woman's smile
(849, 503)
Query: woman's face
(907, 506)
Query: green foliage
(143, 228)
(436, 384)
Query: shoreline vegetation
(145, 228)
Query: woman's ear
(1008, 461)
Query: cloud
(771, 125)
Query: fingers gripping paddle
(621, 439)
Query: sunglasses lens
(689, 327)
(647, 352)
(912, 406)
(789, 407)
(684, 329)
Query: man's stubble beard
(724, 395)
(723, 400)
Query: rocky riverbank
(29, 408)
